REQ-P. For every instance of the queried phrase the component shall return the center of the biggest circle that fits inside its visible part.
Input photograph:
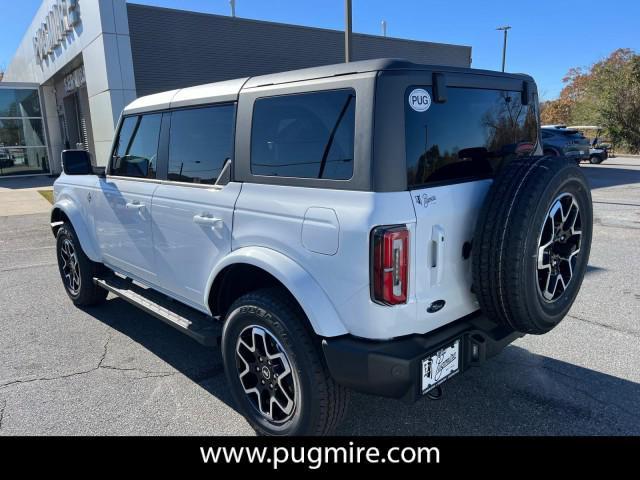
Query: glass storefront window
(22, 133)
(19, 103)
(23, 143)
(21, 161)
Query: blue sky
(548, 36)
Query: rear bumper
(392, 368)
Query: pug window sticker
(419, 100)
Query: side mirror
(76, 162)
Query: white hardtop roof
(226, 91)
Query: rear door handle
(437, 255)
(207, 220)
(134, 205)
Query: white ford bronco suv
(377, 226)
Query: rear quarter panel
(273, 216)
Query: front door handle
(209, 221)
(134, 205)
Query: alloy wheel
(70, 266)
(559, 247)
(266, 374)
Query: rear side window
(200, 143)
(468, 137)
(309, 135)
(136, 149)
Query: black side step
(199, 326)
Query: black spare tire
(531, 244)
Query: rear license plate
(440, 366)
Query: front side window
(469, 136)
(200, 143)
(136, 150)
(308, 135)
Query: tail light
(389, 264)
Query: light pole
(384, 28)
(232, 3)
(505, 29)
(347, 30)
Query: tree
(607, 94)
(615, 92)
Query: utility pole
(233, 8)
(347, 30)
(505, 29)
(384, 28)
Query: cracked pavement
(114, 370)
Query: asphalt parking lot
(114, 370)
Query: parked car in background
(599, 150)
(558, 140)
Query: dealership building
(81, 61)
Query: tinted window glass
(469, 136)
(137, 147)
(201, 141)
(306, 135)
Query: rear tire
(528, 257)
(307, 399)
(595, 159)
(77, 270)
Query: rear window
(307, 135)
(468, 137)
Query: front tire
(275, 367)
(595, 159)
(77, 270)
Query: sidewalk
(19, 196)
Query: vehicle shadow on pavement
(602, 177)
(200, 364)
(516, 393)
(593, 269)
(18, 183)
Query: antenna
(233, 8)
(384, 28)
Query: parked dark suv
(558, 140)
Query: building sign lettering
(59, 22)
(74, 80)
